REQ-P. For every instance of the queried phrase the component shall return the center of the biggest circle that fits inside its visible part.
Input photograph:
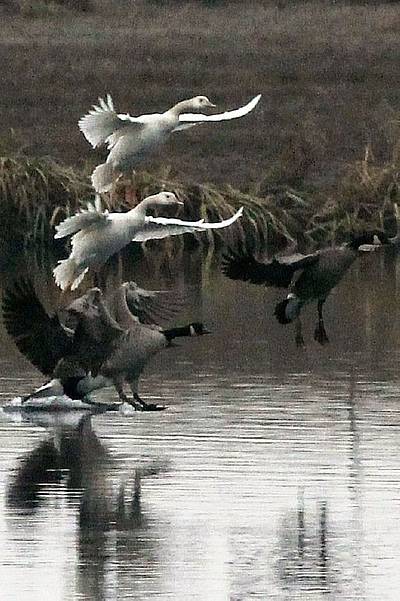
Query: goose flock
(106, 338)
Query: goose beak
(206, 331)
(211, 105)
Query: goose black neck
(177, 332)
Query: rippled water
(274, 473)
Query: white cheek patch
(376, 240)
(192, 331)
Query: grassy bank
(328, 73)
(35, 194)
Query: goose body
(139, 343)
(131, 139)
(99, 351)
(97, 234)
(308, 278)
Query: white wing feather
(93, 215)
(161, 227)
(240, 112)
(102, 122)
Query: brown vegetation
(328, 72)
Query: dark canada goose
(98, 234)
(70, 357)
(132, 139)
(308, 277)
(97, 351)
(137, 345)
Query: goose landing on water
(104, 347)
(98, 234)
(308, 277)
(131, 139)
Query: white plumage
(130, 139)
(98, 234)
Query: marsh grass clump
(364, 197)
(34, 193)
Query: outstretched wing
(102, 123)
(161, 227)
(38, 336)
(154, 306)
(278, 272)
(93, 215)
(235, 114)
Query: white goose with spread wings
(131, 139)
(98, 234)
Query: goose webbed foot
(141, 405)
(320, 334)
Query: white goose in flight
(131, 139)
(98, 234)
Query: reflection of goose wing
(93, 216)
(278, 272)
(235, 114)
(38, 336)
(161, 227)
(154, 306)
(102, 122)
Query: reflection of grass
(329, 73)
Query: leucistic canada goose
(131, 139)
(98, 234)
(98, 350)
(308, 277)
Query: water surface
(274, 473)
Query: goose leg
(131, 192)
(124, 399)
(320, 334)
(299, 332)
(140, 403)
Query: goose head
(198, 103)
(86, 305)
(198, 329)
(368, 240)
(162, 199)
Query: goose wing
(102, 125)
(226, 116)
(278, 272)
(38, 336)
(154, 306)
(84, 219)
(161, 227)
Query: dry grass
(328, 73)
(35, 194)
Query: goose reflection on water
(112, 527)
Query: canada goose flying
(131, 139)
(308, 277)
(98, 234)
(98, 351)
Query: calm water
(274, 474)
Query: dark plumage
(308, 277)
(104, 345)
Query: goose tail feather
(287, 310)
(103, 178)
(68, 274)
